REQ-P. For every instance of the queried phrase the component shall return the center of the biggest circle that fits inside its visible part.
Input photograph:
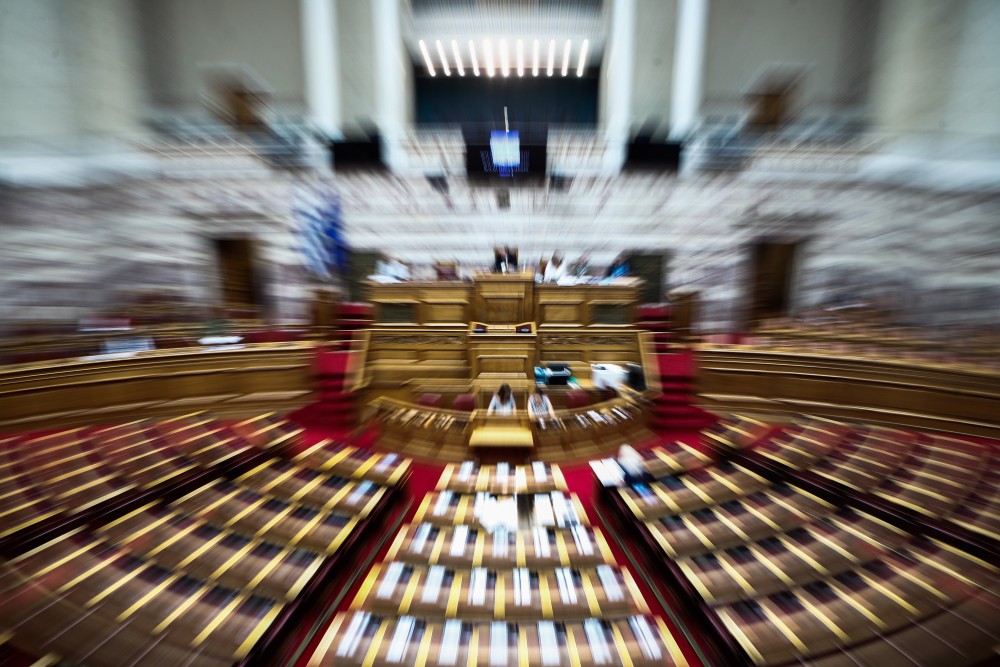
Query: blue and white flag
(320, 230)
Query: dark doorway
(771, 280)
(236, 260)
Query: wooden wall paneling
(893, 392)
(154, 383)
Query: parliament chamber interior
(527, 333)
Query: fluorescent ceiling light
(488, 50)
(475, 60)
(427, 58)
(458, 58)
(444, 59)
(504, 58)
(566, 50)
(552, 56)
(583, 58)
(520, 57)
(534, 60)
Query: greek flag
(320, 230)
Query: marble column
(321, 63)
(619, 72)
(689, 67)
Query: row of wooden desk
(503, 299)
(579, 433)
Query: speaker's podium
(501, 438)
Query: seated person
(632, 464)
(619, 267)
(555, 269)
(392, 267)
(504, 259)
(581, 267)
(539, 405)
(502, 403)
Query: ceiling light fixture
(566, 50)
(488, 50)
(520, 57)
(475, 60)
(427, 58)
(504, 58)
(583, 58)
(444, 59)
(458, 58)
(534, 60)
(552, 56)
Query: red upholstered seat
(356, 310)
(652, 311)
(466, 402)
(577, 399)
(430, 400)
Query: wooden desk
(899, 392)
(502, 436)
(503, 299)
(246, 380)
(446, 435)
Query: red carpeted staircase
(673, 409)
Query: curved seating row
(834, 544)
(225, 535)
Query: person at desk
(555, 269)
(392, 268)
(581, 267)
(502, 403)
(619, 267)
(539, 405)
(504, 259)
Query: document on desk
(477, 586)
(432, 585)
(647, 640)
(541, 538)
(401, 639)
(547, 643)
(420, 538)
(387, 460)
(520, 478)
(598, 642)
(389, 580)
(498, 644)
(522, 586)
(459, 540)
(501, 542)
(360, 492)
(564, 512)
(609, 581)
(443, 501)
(543, 510)
(503, 473)
(465, 472)
(582, 539)
(539, 469)
(352, 636)
(450, 638)
(567, 587)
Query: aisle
(483, 586)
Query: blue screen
(506, 149)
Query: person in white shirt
(555, 269)
(502, 403)
(631, 462)
(539, 405)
